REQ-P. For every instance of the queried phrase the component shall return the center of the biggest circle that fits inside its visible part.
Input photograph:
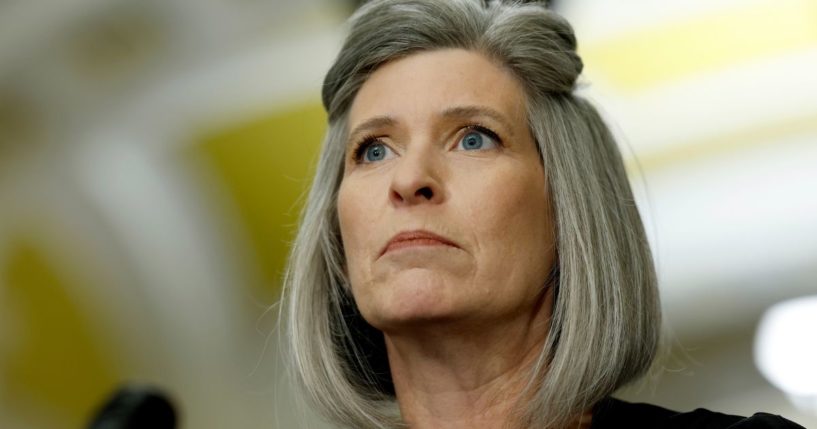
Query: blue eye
(477, 139)
(375, 152)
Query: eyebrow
(372, 124)
(459, 112)
(464, 112)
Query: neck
(467, 377)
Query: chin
(411, 297)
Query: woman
(470, 254)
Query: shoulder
(614, 413)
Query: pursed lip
(417, 234)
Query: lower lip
(419, 242)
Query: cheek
(356, 220)
(513, 222)
(511, 196)
(348, 216)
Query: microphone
(136, 407)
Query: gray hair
(606, 319)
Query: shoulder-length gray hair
(606, 319)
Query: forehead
(425, 83)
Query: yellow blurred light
(265, 166)
(59, 365)
(752, 136)
(653, 56)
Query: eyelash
(368, 140)
(362, 145)
(485, 130)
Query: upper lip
(417, 234)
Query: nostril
(426, 192)
(396, 196)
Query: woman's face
(439, 142)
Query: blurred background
(153, 157)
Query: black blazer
(612, 413)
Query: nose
(416, 180)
